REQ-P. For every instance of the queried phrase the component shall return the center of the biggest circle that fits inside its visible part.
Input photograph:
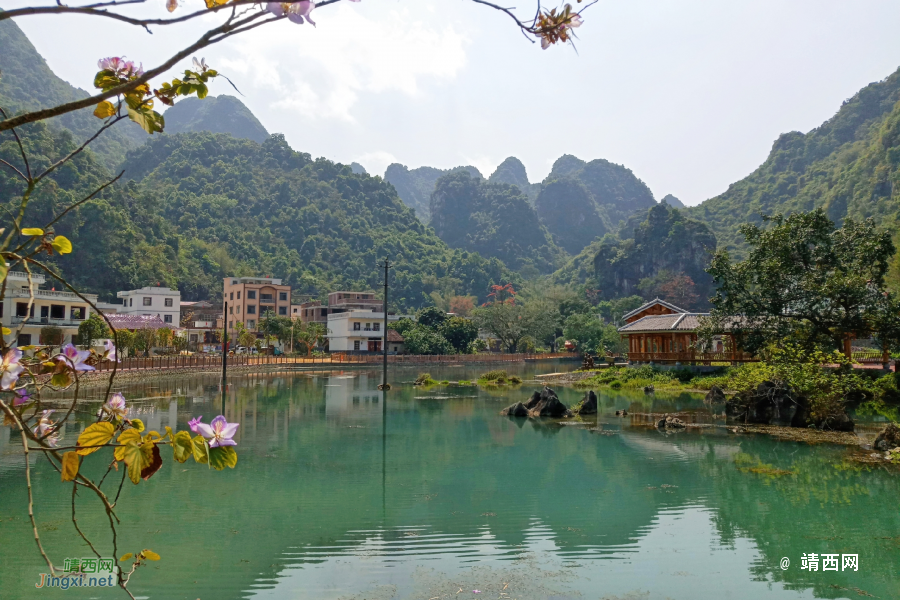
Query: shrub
(515, 379)
(615, 384)
(494, 375)
(425, 379)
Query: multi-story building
(338, 302)
(361, 331)
(153, 301)
(203, 322)
(49, 308)
(249, 298)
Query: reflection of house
(360, 331)
(49, 308)
(249, 298)
(338, 302)
(160, 301)
(662, 332)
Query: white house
(64, 310)
(153, 301)
(361, 331)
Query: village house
(361, 331)
(660, 332)
(162, 302)
(202, 322)
(249, 298)
(49, 308)
(338, 302)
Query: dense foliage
(568, 210)
(493, 219)
(512, 171)
(415, 186)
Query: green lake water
(432, 494)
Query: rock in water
(549, 406)
(533, 401)
(516, 410)
(766, 404)
(715, 395)
(588, 405)
(841, 422)
(649, 389)
(668, 422)
(888, 438)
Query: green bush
(425, 379)
(615, 384)
(515, 379)
(494, 375)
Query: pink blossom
(194, 422)
(75, 358)
(120, 67)
(10, 368)
(219, 432)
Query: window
(24, 339)
(234, 282)
(282, 310)
(148, 301)
(395, 348)
(282, 296)
(376, 327)
(239, 295)
(167, 318)
(356, 327)
(356, 343)
(230, 324)
(251, 324)
(168, 302)
(368, 327)
(231, 296)
(57, 311)
(230, 310)
(194, 337)
(131, 302)
(251, 295)
(78, 313)
(251, 309)
(266, 298)
(324, 312)
(21, 309)
(365, 296)
(238, 309)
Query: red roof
(393, 336)
(120, 321)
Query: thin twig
(37, 537)
(75, 522)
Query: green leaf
(126, 437)
(70, 463)
(61, 244)
(138, 425)
(33, 231)
(200, 454)
(95, 435)
(202, 91)
(138, 458)
(61, 380)
(222, 457)
(150, 120)
(104, 110)
(183, 446)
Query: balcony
(46, 322)
(19, 276)
(50, 295)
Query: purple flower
(114, 407)
(43, 428)
(120, 67)
(10, 368)
(75, 358)
(194, 422)
(110, 353)
(296, 12)
(22, 396)
(219, 432)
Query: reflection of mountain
(463, 484)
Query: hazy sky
(688, 94)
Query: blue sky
(688, 94)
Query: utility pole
(384, 338)
(224, 351)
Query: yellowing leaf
(126, 437)
(128, 556)
(137, 458)
(155, 462)
(70, 466)
(95, 435)
(104, 110)
(150, 554)
(61, 244)
(61, 380)
(200, 450)
(7, 331)
(151, 121)
(221, 457)
(138, 425)
(32, 231)
(182, 446)
(3, 271)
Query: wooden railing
(691, 357)
(873, 357)
(337, 359)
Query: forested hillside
(512, 171)
(848, 165)
(656, 252)
(27, 83)
(415, 186)
(219, 114)
(493, 219)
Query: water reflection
(343, 492)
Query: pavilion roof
(653, 302)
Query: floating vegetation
(498, 378)
(746, 463)
(424, 379)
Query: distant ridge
(216, 114)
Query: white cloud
(376, 162)
(321, 73)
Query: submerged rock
(588, 405)
(841, 422)
(516, 410)
(888, 438)
(715, 395)
(766, 404)
(548, 405)
(669, 422)
(649, 389)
